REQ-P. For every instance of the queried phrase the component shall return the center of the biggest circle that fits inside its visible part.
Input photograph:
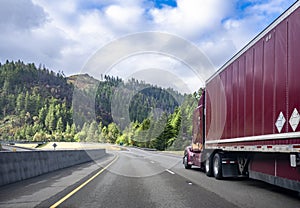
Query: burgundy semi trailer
(247, 120)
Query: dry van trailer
(247, 120)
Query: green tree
(104, 133)
(92, 135)
(6, 87)
(59, 126)
(73, 129)
(82, 135)
(20, 103)
(42, 115)
(67, 134)
(113, 132)
(50, 120)
(27, 103)
(39, 136)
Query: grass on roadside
(174, 152)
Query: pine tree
(104, 134)
(27, 103)
(113, 132)
(73, 129)
(42, 115)
(20, 103)
(81, 135)
(60, 126)
(92, 135)
(6, 87)
(50, 120)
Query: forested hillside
(36, 105)
(35, 102)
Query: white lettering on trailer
(294, 120)
(280, 122)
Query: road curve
(143, 179)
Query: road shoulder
(32, 192)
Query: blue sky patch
(161, 3)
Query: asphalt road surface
(137, 178)
(12, 148)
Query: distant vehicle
(247, 120)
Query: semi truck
(247, 119)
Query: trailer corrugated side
(261, 88)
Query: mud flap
(229, 168)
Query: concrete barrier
(17, 166)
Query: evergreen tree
(50, 120)
(73, 129)
(6, 87)
(92, 135)
(59, 126)
(104, 133)
(42, 115)
(82, 135)
(113, 132)
(27, 103)
(20, 103)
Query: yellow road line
(82, 185)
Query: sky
(152, 40)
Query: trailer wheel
(185, 162)
(217, 166)
(208, 165)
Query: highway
(138, 178)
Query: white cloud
(268, 7)
(241, 27)
(192, 19)
(64, 34)
(124, 18)
(159, 69)
(21, 14)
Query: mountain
(83, 81)
(38, 104)
(113, 99)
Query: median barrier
(17, 166)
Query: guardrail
(17, 166)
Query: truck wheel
(217, 166)
(208, 166)
(185, 162)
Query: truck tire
(185, 162)
(208, 165)
(217, 166)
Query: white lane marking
(152, 161)
(170, 171)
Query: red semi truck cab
(247, 121)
